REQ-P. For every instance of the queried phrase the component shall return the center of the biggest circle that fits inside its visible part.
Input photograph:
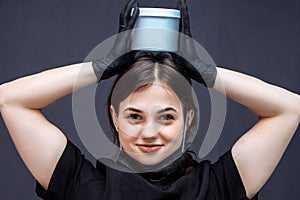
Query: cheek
(126, 140)
(172, 133)
(129, 130)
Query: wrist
(99, 67)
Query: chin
(149, 162)
(147, 159)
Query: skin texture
(259, 150)
(40, 143)
(150, 123)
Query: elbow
(298, 109)
(2, 101)
(295, 110)
(292, 108)
(1, 98)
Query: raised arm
(259, 150)
(39, 143)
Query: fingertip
(136, 11)
(180, 4)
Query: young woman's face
(150, 123)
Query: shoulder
(221, 177)
(73, 171)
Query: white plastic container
(156, 29)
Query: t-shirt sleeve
(68, 174)
(229, 180)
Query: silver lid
(159, 12)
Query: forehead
(157, 94)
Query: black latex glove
(120, 57)
(196, 68)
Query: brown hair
(147, 68)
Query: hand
(120, 57)
(187, 56)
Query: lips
(149, 148)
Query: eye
(134, 117)
(167, 117)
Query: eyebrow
(132, 109)
(167, 109)
(160, 111)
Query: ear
(191, 114)
(114, 117)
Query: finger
(178, 7)
(185, 27)
(180, 3)
(125, 8)
(133, 18)
(125, 15)
(128, 7)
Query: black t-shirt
(76, 178)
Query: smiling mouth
(149, 148)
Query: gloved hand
(197, 69)
(120, 57)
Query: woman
(60, 169)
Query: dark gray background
(260, 38)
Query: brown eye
(134, 117)
(166, 117)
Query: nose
(151, 130)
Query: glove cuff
(206, 73)
(209, 76)
(99, 67)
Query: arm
(40, 143)
(259, 150)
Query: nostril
(150, 131)
(149, 135)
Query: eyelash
(169, 117)
(165, 117)
(134, 117)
